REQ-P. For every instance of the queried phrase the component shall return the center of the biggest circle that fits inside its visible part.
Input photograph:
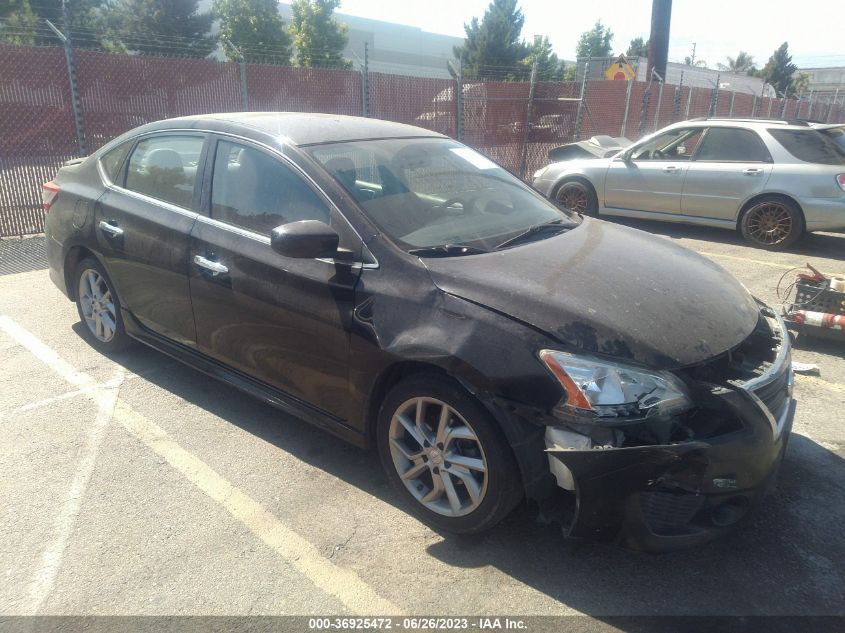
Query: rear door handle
(216, 268)
(752, 171)
(110, 229)
(671, 168)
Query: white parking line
(343, 584)
(761, 262)
(46, 402)
(51, 558)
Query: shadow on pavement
(786, 560)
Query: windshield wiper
(447, 250)
(556, 225)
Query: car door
(729, 166)
(282, 321)
(650, 176)
(142, 226)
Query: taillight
(49, 193)
(841, 180)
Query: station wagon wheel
(99, 307)
(577, 197)
(772, 223)
(446, 457)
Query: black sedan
(402, 291)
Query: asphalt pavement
(133, 485)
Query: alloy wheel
(438, 457)
(573, 197)
(95, 298)
(769, 223)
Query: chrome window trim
(145, 198)
(235, 229)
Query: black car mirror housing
(306, 239)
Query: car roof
(300, 128)
(749, 122)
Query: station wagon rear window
(825, 147)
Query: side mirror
(307, 239)
(624, 156)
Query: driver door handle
(671, 168)
(752, 171)
(216, 268)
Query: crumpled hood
(612, 290)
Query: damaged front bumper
(670, 496)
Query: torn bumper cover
(669, 496)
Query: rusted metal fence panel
(120, 92)
(423, 101)
(286, 89)
(37, 132)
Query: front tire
(578, 197)
(99, 308)
(772, 223)
(445, 456)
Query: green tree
(800, 84)
(23, 22)
(255, 28)
(493, 48)
(698, 63)
(779, 69)
(637, 48)
(19, 24)
(549, 67)
(596, 42)
(158, 27)
(319, 38)
(743, 63)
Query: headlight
(605, 392)
(540, 172)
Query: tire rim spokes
(438, 457)
(769, 223)
(97, 305)
(573, 198)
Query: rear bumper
(55, 262)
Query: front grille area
(668, 511)
(775, 394)
(760, 364)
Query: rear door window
(256, 191)
(811, 146)
(165, 168)
(732, 145)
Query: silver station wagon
(771, 180)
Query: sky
(718, 28)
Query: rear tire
(773, 223)
(434, 439)
(99, 307)
(577, 196)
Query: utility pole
(658, 43)
(692, 57)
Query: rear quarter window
(811, 146)
(112, 162)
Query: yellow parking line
(343, 584)
(821, 382)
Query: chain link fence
(57, 103)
